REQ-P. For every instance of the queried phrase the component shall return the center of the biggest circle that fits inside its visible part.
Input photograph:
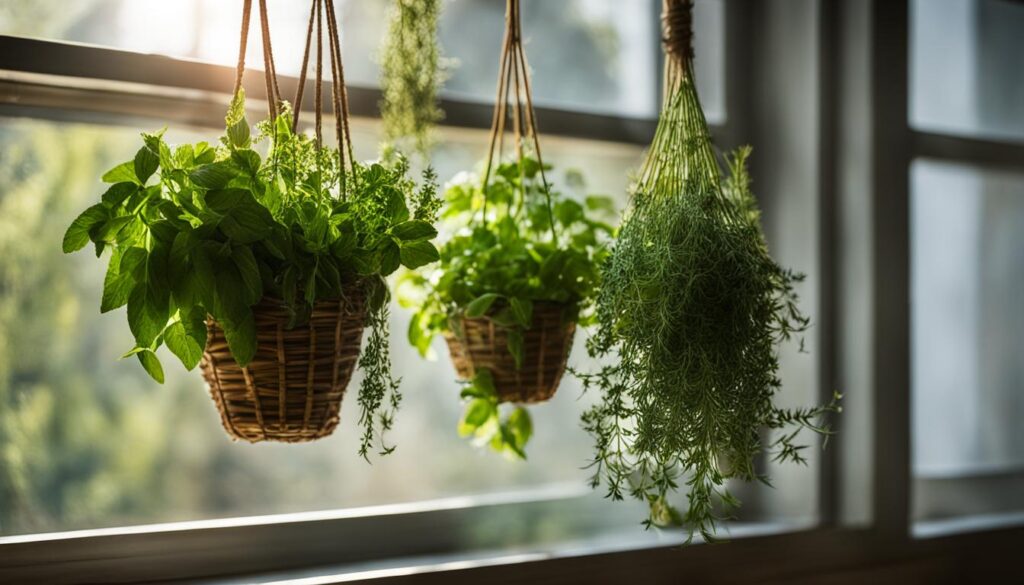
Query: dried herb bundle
(412, 71)
(692, 308)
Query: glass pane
(89, 441)
(967, 336)
(587, 54)
(966, 58)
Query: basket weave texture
(546, 346)
(292, 389)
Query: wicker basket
(546, 345)
(292, 390)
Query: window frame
(864, 133)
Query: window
(91, 442)
(966, 58)
(586, 54)
(967, 250)
(889, 164)
(966, 209)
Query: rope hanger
(677, 40)
(320, 11)
(514, 88)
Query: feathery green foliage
(502, 256)
(203, 230)
(691, 309)
(412, 71)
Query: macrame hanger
(318, 14)
(269, 70)
(677, 39)
(297, 104)
(514, 82)
(242, 46)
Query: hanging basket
(292, 389)
(481, 343)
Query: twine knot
(677, 29)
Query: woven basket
(546, 345)
(292, 389)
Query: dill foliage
(691, 308)
(412, 71)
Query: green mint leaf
(203, 154)
(248, 161)
(396, 209)
(177, 339)
(476, 415)
(152, 365)
(343, 246)
(122, 173)
(520, 426)
(250, 272)
(147, 317)
(145, 164)
(239, 134)
(515, 346)
(522, 310)
(214, 175)
(117, 285)
(245, 220)
(77, 234)
(505, 442)
(194, 322)
(241, 338)
(413, 230)
(390, 258)
(419, 333)
(480, 305)
(416, 254)
(484, 380)
(118, 192)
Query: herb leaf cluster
(504, 254)
(412, 71)
(691, 310)
(483, 422)
(202, 229)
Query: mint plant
(201, 230)
(511, 244)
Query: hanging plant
(412, 71)
(265, 269)
(517, 274)
(691, 311)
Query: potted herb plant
(508, 293)
(264, 269)
(517, 274)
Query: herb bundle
(412, 70)
(201, 231)
(692, 308)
